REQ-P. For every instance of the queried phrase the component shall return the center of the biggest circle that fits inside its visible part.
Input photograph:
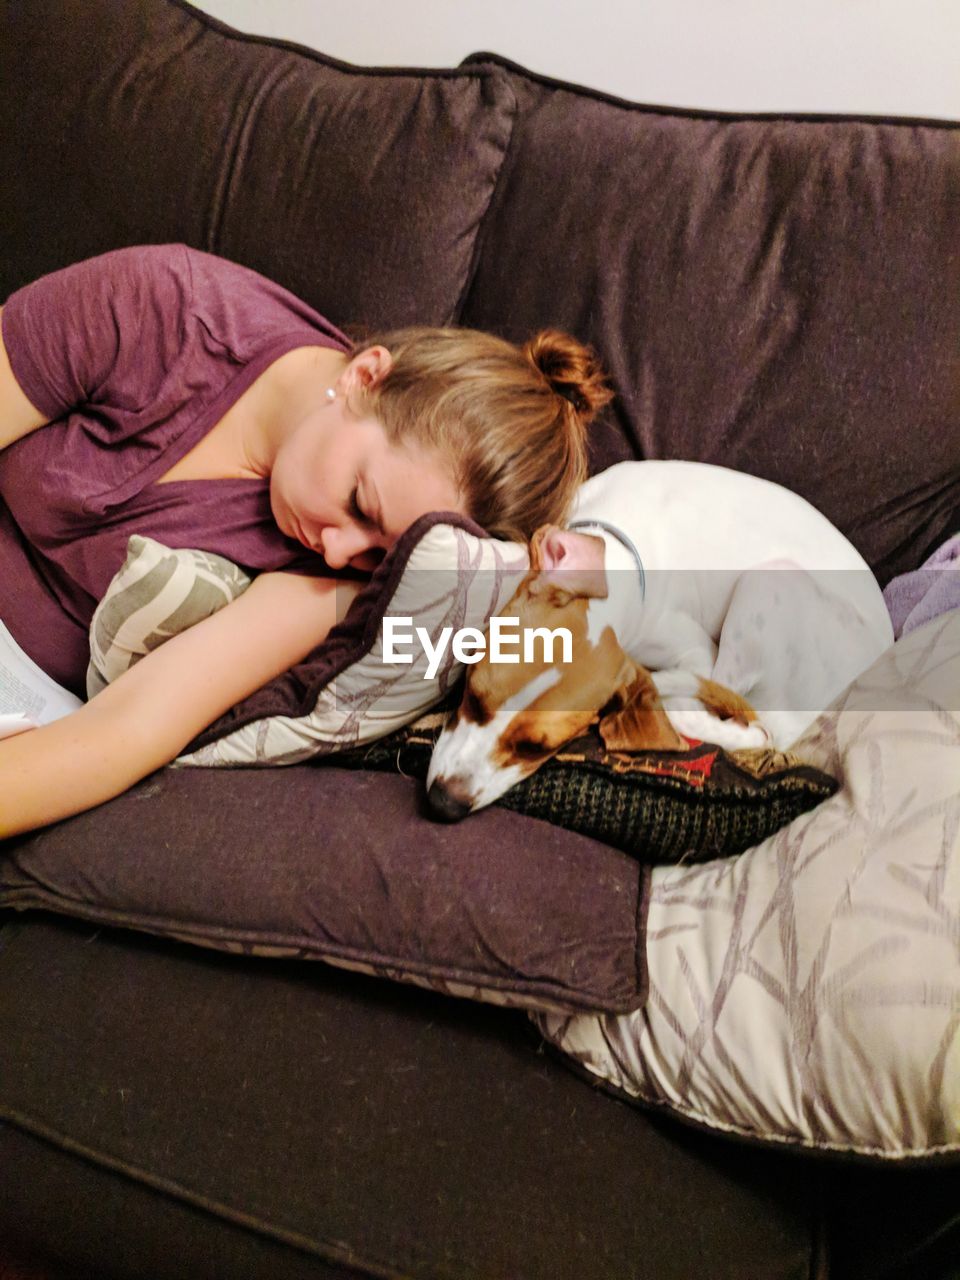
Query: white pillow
(807, 992)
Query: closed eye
(472, 709)
(374, 518)
(353, 506)
(527, 749)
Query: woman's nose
(330, 546)
(339, 546)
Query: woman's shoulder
(235, 301)
(240, 307)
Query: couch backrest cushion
(780, 295)
(142, 121)
(777, 295)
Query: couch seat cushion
(356, 1128)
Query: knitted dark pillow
(658, 806)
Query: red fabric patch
(695, 771)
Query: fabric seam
(567, 999)
(170, 1187)
(702, 113)
(483, 223)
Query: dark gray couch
(780, 295)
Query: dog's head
(515, 715)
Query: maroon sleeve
(102, 331)
(138, 333)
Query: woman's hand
(146, 717)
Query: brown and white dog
(699, 600)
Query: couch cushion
(148, 121)
(337, 865)
(808, 993)
(332, 1120)
(778, 295)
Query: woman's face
(341, 488)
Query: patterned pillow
(807, 993)
(657, 806)
(441, 574)
(154, 595)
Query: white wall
(893, 57)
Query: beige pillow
(807, 992)
(155, 594)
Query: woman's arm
(18, 417)
(108, 331)
(146, 717)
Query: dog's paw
(729, 734)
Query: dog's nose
(448, 801)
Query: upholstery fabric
(808, 992)
(777, 295)
(320, 863)
(169, 1113)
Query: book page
(28, 697)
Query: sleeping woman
(170, 393)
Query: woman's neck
(294, 386)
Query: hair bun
(572, 369)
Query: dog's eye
(472, 709)
(527, 749)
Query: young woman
(166, 392)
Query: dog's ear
(636, 719)
(537, 553)
(568, 561)
(724, 703)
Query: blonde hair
(512, 420)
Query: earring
(331, 393)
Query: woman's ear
(365, 370)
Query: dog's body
(745, 583)
(697, 573)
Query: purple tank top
(132, 356)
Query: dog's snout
(449, 800)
